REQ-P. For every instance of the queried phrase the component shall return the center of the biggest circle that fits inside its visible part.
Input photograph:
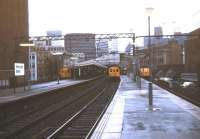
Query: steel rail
(55, 133)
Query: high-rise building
(81, 45)
(13, 31)
(155, 41)
(158, 31)
(102, 47)
(158, 40)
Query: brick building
(162, 57)
(192, 52)
(13, 30)
(46, 64)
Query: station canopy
(88, 63)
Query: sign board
(19, 69)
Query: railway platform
(9, 94)
(129, 117)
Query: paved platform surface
(9, 95)
(129, 117)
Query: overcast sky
(112, 16)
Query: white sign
(19, 69)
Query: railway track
(179, 93)
(15, 127)
(12, 111)
(41, 123)
(82, 124)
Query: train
(65, 72)
(91, 69)
(114, 72)
(144, 72)
(82, 70)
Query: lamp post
(29, 45)
(57, 54)
(149, 11)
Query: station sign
(19, 69)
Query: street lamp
(29, 45)
(57, 54)
(149, 11)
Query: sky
(112, 16)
